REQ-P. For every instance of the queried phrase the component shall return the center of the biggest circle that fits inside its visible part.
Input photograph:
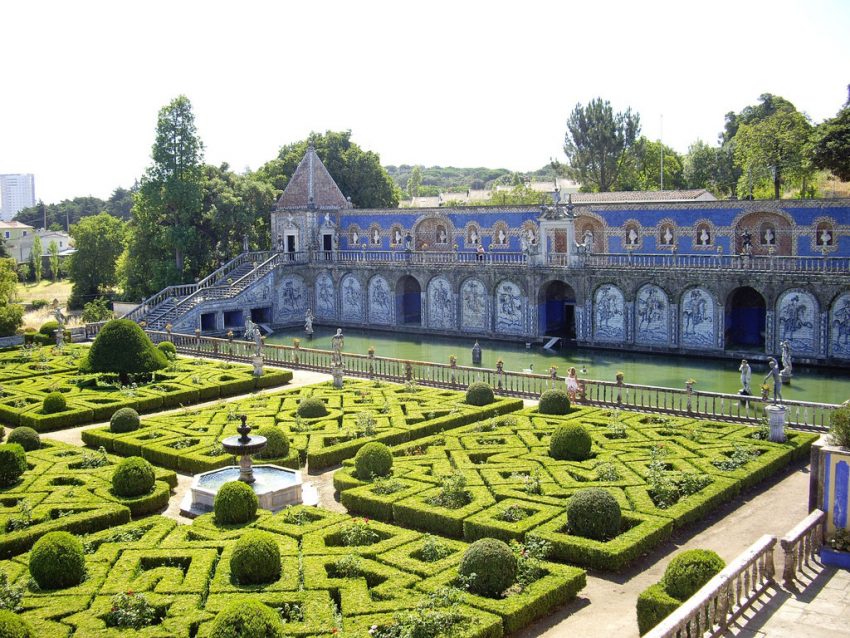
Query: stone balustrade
(801, 544)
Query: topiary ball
(689, 571)
(57, 561)
(13, 463)
(235, 503)
(13, 626)
(53, 403)
(123, 348)
(594, 513)
(479, 394)
(168, 349)
(312, 408)
(277, 443)
(493, 564)
(133, 476)
(247, 618)
(26, 437)
(373, 459)
(255, 559)
(124, 420)
(554, 402)
(49, 328)
(570, 442)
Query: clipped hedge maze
(28, 375)
(184, 572)
(361, 412)
(664, 471)
(62, 490)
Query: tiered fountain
(276, 487)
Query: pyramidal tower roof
(312, 187)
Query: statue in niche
(746, 375)
(397, 237)
(668, 236)
(502, 237)
(631, 237)
(769, 236)
(473, 236)
(825, 237)
(746, 242)
(442, 238)
(376, 236)
(355, 237)
(704, 237)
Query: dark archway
(408, 300)
(557, 310)
(746, 311)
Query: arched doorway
(745, 320)
(408, 299)
(557, 310)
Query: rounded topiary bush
(123, 348)
(479, 394)
(689, 571)
(570, 442)
(57, 561)
(13, 626)
(493, 564)
(594, 513)
(373, 459)
(312, 408)
(13, 463)
(235, 503)
(49, 328)
(247, 618)
(277, 443)
(168, 349)
(26, 437)
(124, 420)
(255, 559)
(53, 403)
(839, 426)
(554, 402)
(133, 476)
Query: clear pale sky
(462, 83)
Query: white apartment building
(17, 191)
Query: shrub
(168, 349)
(277, 444)
(554, 402)
(26, 437)
(594, 513)
(123, 347)
(11, 318)
(13, 463)
(13, 626)
(133, 477)
(124, 420)
(312, 408)
(689, 571)
(57, 561)
(479, 394)
(653, 606)
(373, 459)
(247, 618)
(570, 442)
(38, 304)
(255, 559)
(839, 426)
(131, 610)
(53, 403)
(49, 328)
(97, 310)
(235, 503)
(493, 564)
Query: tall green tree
(11, 314)
(53, 251)
(642, 168)
(700, 166)
(168, 206)
(414, 182)
(35, 255)
(598, 142)
(358, 173)
(99, 241)
(831, 147)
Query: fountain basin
(276, 487)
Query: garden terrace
(664, 471)
(29, 374)
(69, 488)
(364, 411)
(184, 572)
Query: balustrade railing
(419, 257)
(801, 544)
(752, 263)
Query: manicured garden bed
(663, 471)
(361, 412)
(29, 374)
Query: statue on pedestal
(746, 375)
(787, 366)
(777, 380)
(337, 344)
(60, 330)
(308, 322)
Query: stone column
(776, 421)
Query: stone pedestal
(776, 421)
(786, 375)
(476, 354)
(336, 372)
(258, 366)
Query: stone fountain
(276, 487)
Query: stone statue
(245, 246)
(769, 237)
(337, 344)
(787, 364)
(60, 330)
(746, 374)
(825, 238)
(250, 327)
(408, 241)
(668, 235)
(633, 236)
(704, 237)
(308, 322)
(746, 242)
(777, 379)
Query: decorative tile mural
(698, 319)
(797, 317)
(509, 308)
(380, 301)
(651, 316)
(441, 304)
(473, 309)
(609, 314)
(351, 296)
(325, 296)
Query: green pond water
(714, 375)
